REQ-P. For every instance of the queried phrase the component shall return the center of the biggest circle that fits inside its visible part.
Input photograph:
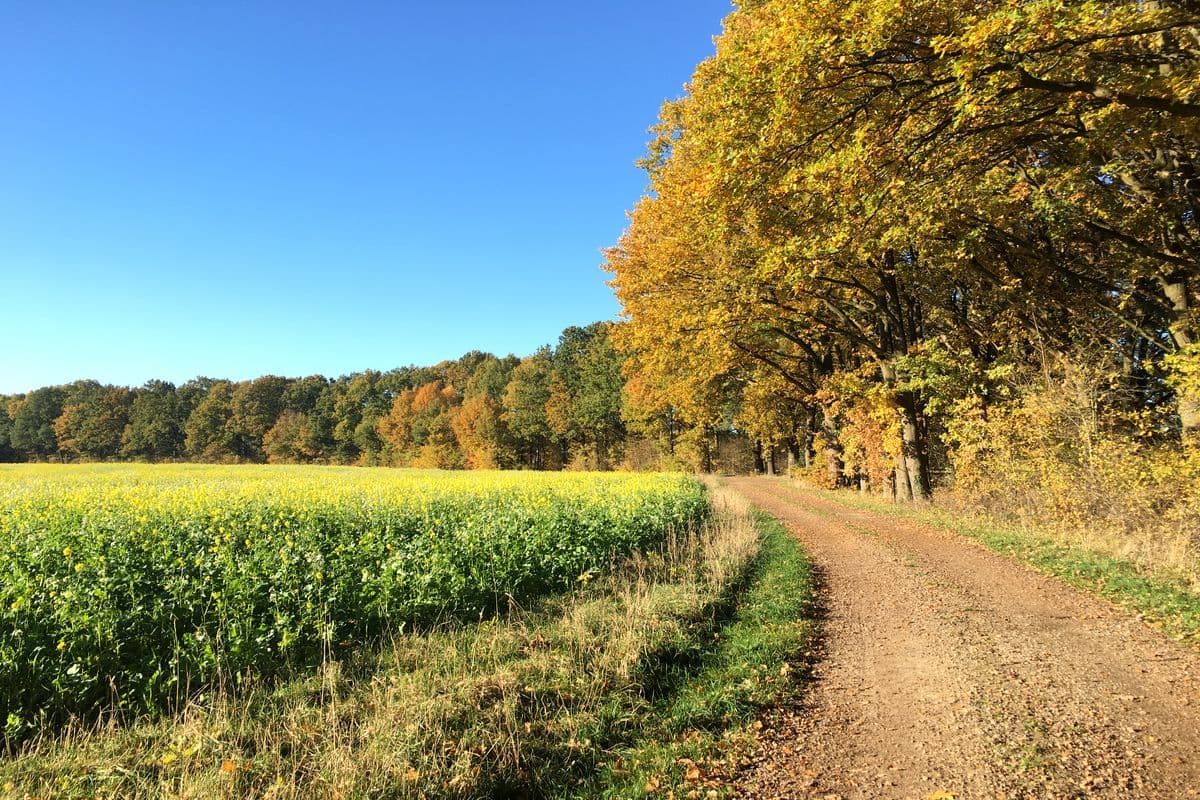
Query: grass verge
(691, 742)
(1165, 600)
(632, 684)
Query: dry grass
(1053, 465)
(1144, 509)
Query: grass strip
(691, 741)
(1163, 600)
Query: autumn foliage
(868, 221)
(559, 407)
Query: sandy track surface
(945, 670)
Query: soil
(946, 671)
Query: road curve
(945, 670)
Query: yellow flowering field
(135, 586)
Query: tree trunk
(912, 465)
(833, 451)
(806, 445)
(769, 459)
(902, 483)
(915, 459)
(1175, 289)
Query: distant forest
(559, 407)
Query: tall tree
(208, 436)
(7, 453)
(93, 421)
(597, 405)
(254, 406)
(32, 432)
(583, 407)
(359, 402)
(155, 428)
(481, 433)
(848, 187)
(291, 440)
(525, 401)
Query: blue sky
(236, 189)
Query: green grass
(1164, 600)
(693, 737)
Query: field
(315, 632)
(134, 588)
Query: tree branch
(1109, 96)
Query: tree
(291, 439)
(432, 433)
(93, 421)
(155, 428)
(208, 436)
(417, 430)
(583, 407)
(303, 394)
(7, 453)
(481, 434)
(490, 376)
(597, 405)
(303, 431)
(32, 433)
(844, 187)
(359, 402)
(254, 406)
(395, 428)
(525, 401)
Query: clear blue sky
(240, 188)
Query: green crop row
(133, 587)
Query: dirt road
(945, 670)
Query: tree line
(561, 406)
(910, 239)
(897, 243)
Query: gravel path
(946, 671)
